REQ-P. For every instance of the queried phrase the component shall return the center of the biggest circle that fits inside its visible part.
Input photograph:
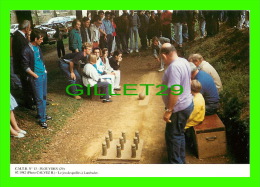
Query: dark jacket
(122, 25)
(179, 16)
(84, 34)
(18, 43)
(113, 63)
(144, 20)
(134, 20)
(28, 58)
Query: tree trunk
(24, 15)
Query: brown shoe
(77, 97)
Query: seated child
(198, 113)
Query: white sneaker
(162, 69)
(131, 51)
(22, 132)
(20, 135)
(137, 51)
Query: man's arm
(172, 101)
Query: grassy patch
(228, 52)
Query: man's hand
(166, 117)
(73, 76)
(112, 73)
(76, 50)
(158, 59)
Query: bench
(210, 137)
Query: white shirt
(95, 33)
(91, 72)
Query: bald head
(167, 48)
(168, 53)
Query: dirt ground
(80, 140)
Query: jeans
(174, 135)
(202, 26)
(104, 87)
(178, 33)
(134, 36)
(39, 86)
(211, 108)
(65, 69)
(241, 21)
(162, 63)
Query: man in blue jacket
(34, 66)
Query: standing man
(85, 30)
(75, 41)
(122, 26)
(144, 20)
(191, 19)
(34, 66)
(166, 19)
(179, 105)
(109, 29)
(96, 31)
(18, 43)
(134, 23)
(179, 19)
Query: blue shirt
(178, 73)
(109, 29)
(209, 89)
(39, 67)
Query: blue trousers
(39, 86)
(174, 135)
(178, 33)
(134, 38)
(65, 69)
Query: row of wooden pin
(121, 145)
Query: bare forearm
(71, 67)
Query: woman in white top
(109, 69)
(92, 78)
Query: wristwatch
(168, 110)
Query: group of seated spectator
(90, 67)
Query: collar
(22, 33)
(202, 64)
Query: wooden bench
(210, 137)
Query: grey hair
(24, 24)
(193, 67)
